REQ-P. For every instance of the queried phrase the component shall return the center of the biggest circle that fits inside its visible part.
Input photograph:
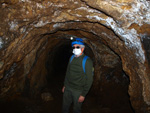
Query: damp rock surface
(116, 31)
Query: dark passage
(110, 97)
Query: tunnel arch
(20, 39)
(61, 31)
(59, 48)
(98, 73)
(118, 46)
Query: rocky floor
(26, 105)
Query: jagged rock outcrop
(116, 31)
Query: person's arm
(63, 89)
(89, 77)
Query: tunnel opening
(60, 56)
(109, 95)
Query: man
(77, 82)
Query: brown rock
(116, 32)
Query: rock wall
(30, 29)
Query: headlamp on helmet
(76, 41)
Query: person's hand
(63, 89)
(81, 98)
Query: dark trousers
(71, 96)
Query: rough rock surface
(30, 29)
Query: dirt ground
(28, 105)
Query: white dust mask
(77, 51)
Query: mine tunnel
(35, 48)
(114, 96)
(109, 92)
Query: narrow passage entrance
(104, 100)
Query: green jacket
(76, 78)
